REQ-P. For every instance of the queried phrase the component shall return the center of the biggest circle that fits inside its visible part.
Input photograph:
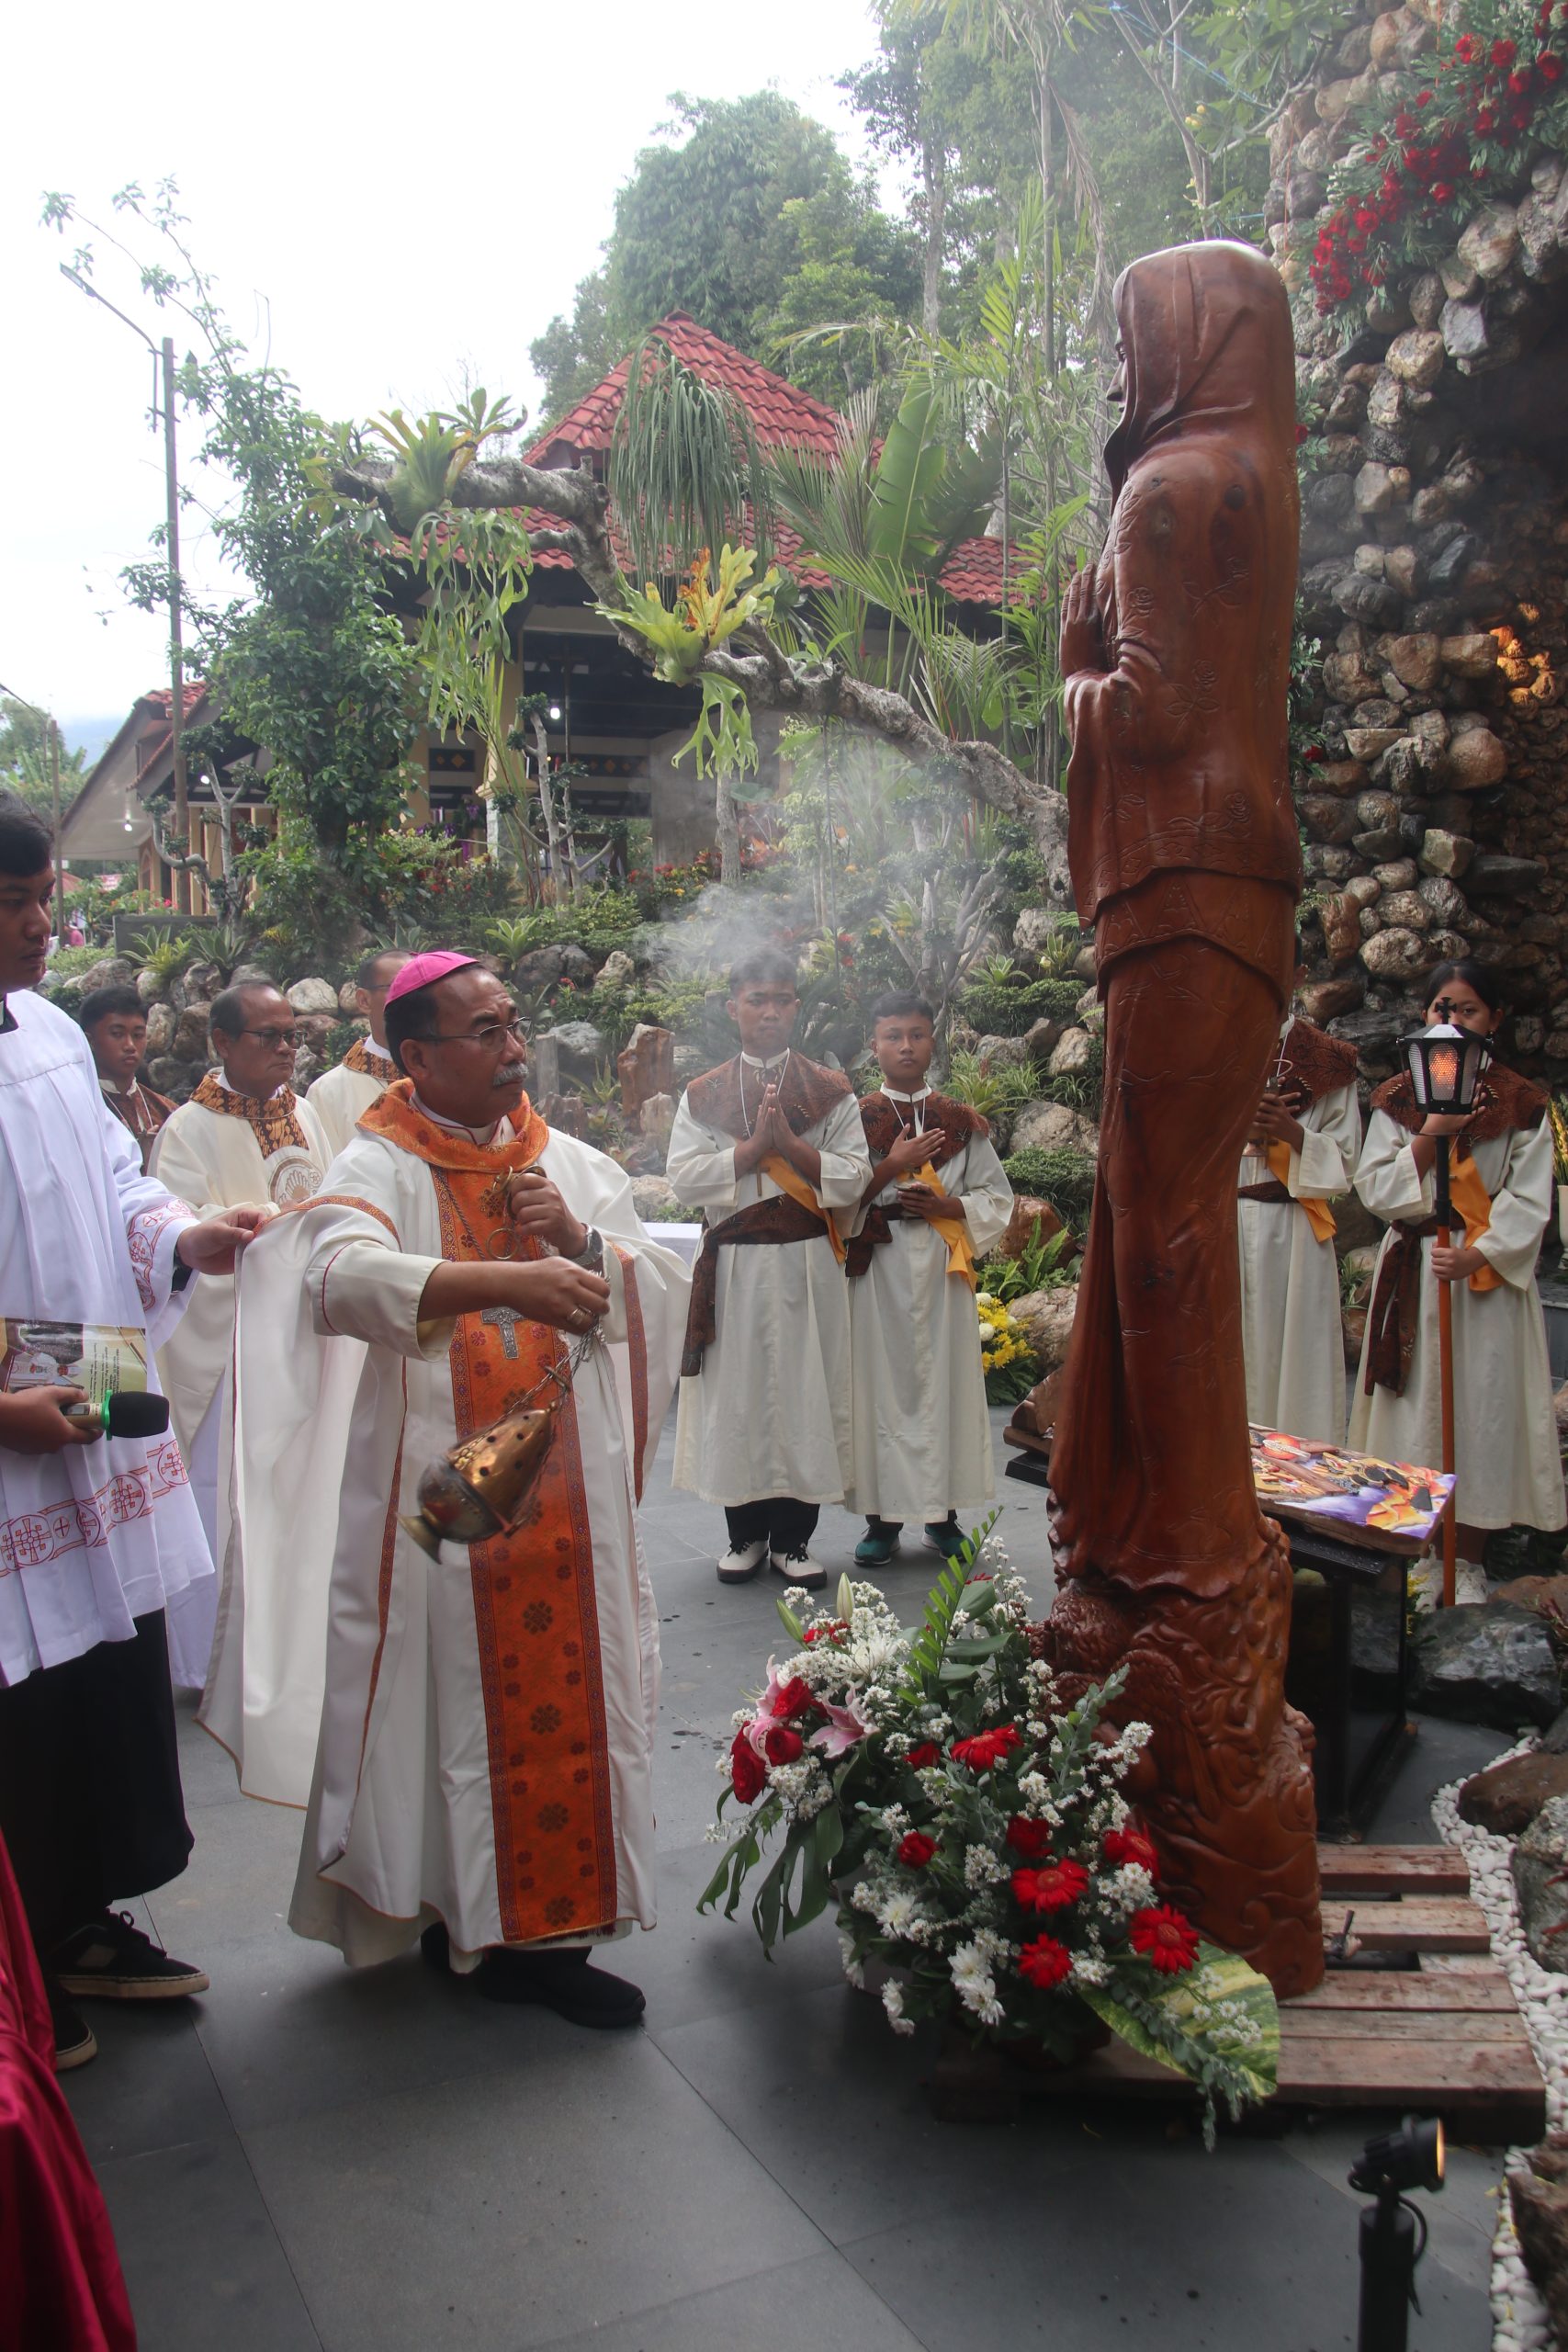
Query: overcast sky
(391, 196)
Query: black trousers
(787, 1525)
(91, 1807)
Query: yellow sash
(1474, 1202)
(953, 1229)
(1319, 1216)
(789, 1180)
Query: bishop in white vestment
(243, 1139)
(340, 1094)
(481, 1725)
(1309, 1139)
(764, 1426)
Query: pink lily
(842, 1729)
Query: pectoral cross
(506, 1320)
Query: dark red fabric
(61, 2289)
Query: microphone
(124, 1412)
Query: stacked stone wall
(1433, 792)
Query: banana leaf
(1192, 2011)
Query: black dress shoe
(562, 1981)
(436, 1945)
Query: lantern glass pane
(1444, 1063)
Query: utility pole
(164, 355)
(176, 648)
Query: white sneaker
(741, 1564)
(799, 1567)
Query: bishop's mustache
(510, 1074)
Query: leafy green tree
(753, 214)
(25, 759)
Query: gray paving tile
(515, 2208)
(150, 2086)
(1141, 2241)
(816, 2306)
(694, 1966)
(831, 2102)
(202, 2260)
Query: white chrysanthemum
(1088, 1968)
(897, 1912)
(970, 1969)
(893, 2002)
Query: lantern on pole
(1446, 1063)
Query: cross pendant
(506, 1320)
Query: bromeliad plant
(972, 1832)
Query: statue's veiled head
(1207, 347)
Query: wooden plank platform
(1441, 2035)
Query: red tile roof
(782, 415)
(191, 692)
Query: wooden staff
(1446, 1367)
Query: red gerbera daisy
(986, 1749)
(1167, 1941)
(1131, 1846)
(1051, 1887)
(1045, 1963)
(926, 1753)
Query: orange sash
(1319, 1216)
(953, 1229)
(534, 1596)
(789, 1180)
(1473, 1202)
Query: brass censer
(484, 1487)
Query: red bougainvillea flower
(1442, 191)
(1051, 1887)
(747, 1776)
(1167, 1941)
(1029, 1839)
(1503, 54)
(986, 1749)
(1464, 48)
(1130, 1847)
(926, 1753)
(784, 1746)
(1045, 1963)
(916, 1849)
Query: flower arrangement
(972, 1831)
(1009, 1362)
(1442, 136)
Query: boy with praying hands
(769, 1147)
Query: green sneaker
(878, 1545)
(944, 1536)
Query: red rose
(986, 1750)
(1051, 1887)
(784, 1746)
(926, 1753)
(1045, 1963)
(1486, 119)
(1167, 1941)
(747, 1777)
(1029, 1839)
(1548, 66)
(916, 1849)
(794, 1699)
(1503, 54)
(1130, 1847)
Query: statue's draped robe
(480, 1726)
(1185, 859)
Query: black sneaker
(74, 2040)
(436, 1945)
(111, 1959)
(562, 1981)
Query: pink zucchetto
(420, 970)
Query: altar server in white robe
(769, 1147)
(98, 1536)
(1508, 1469)
(340, 1094)
(242, 1139)
(483, 1722)
(1305, 1143)
(937, 1200)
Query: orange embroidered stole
(535, 1604)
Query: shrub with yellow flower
(1010, 1364)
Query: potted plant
(970, 1828)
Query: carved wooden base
(1226, 1784)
